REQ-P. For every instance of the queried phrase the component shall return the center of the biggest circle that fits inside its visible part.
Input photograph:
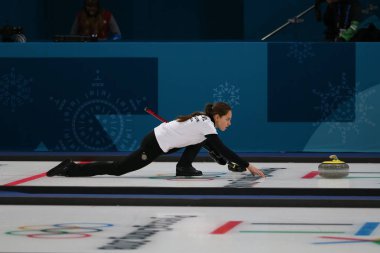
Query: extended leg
(148, 152)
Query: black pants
(149, 150)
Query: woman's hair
(211, 109)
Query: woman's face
(223, 122)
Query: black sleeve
(213, 141)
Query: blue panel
(55, 86)
(73, 104)
(308, 82)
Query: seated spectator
(92, 20)
(341, 19)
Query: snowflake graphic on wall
(338, 103)
(344, 109)
(15, 90)
(98, 121)
(300, 51)
(227, 93)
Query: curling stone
(334, 168)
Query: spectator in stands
(341, 19)
(93, 20)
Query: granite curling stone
(334, 168)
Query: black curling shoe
(188, 172)
(61, 169)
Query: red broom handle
(154, 114)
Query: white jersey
(176, 134)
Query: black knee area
(117, 173)
(120, 169)
(117, 170)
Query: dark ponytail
(211, 109)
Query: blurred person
(341, 19)
(92, 20)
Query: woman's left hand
(255, 171)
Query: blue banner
(73, 104)
(311, 82)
